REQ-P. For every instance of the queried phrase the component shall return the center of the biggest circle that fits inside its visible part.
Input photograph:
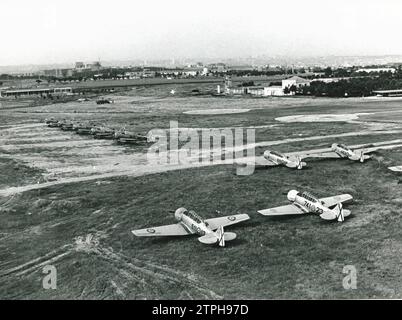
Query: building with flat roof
(79, 65)
(274, 91)
(36, 92)
(261, 91)
(217, 67)
(58, 73)
(192, 72)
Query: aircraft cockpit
(191, 214)
(308, 196)
(276, 154)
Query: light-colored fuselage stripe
(310, 206)
(199, 228)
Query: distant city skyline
(313, 61)
(52, 31)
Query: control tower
(228, 84)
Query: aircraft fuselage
(276, 158)
(343, 151)
(280, 159)
(192, 222)
(309, 204)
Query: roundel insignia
(151, 230)
(232, 218)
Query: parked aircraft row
(293, 160)
(211, 231)
(99, 131)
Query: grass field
(83, 228)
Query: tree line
(352, 87)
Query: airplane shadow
(181, 239)
(260, 167)
(170, 239)
(236, 242)
(286, 218)
(166, 240)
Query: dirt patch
(44, 205)
(63, 205)
(321, 117)
(216, 111)
(88, 243)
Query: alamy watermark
(350, 280)
(49, 281)
(188, 146)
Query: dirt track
(69, 158)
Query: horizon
(60, 32)
(203, 59)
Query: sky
(59, 31)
